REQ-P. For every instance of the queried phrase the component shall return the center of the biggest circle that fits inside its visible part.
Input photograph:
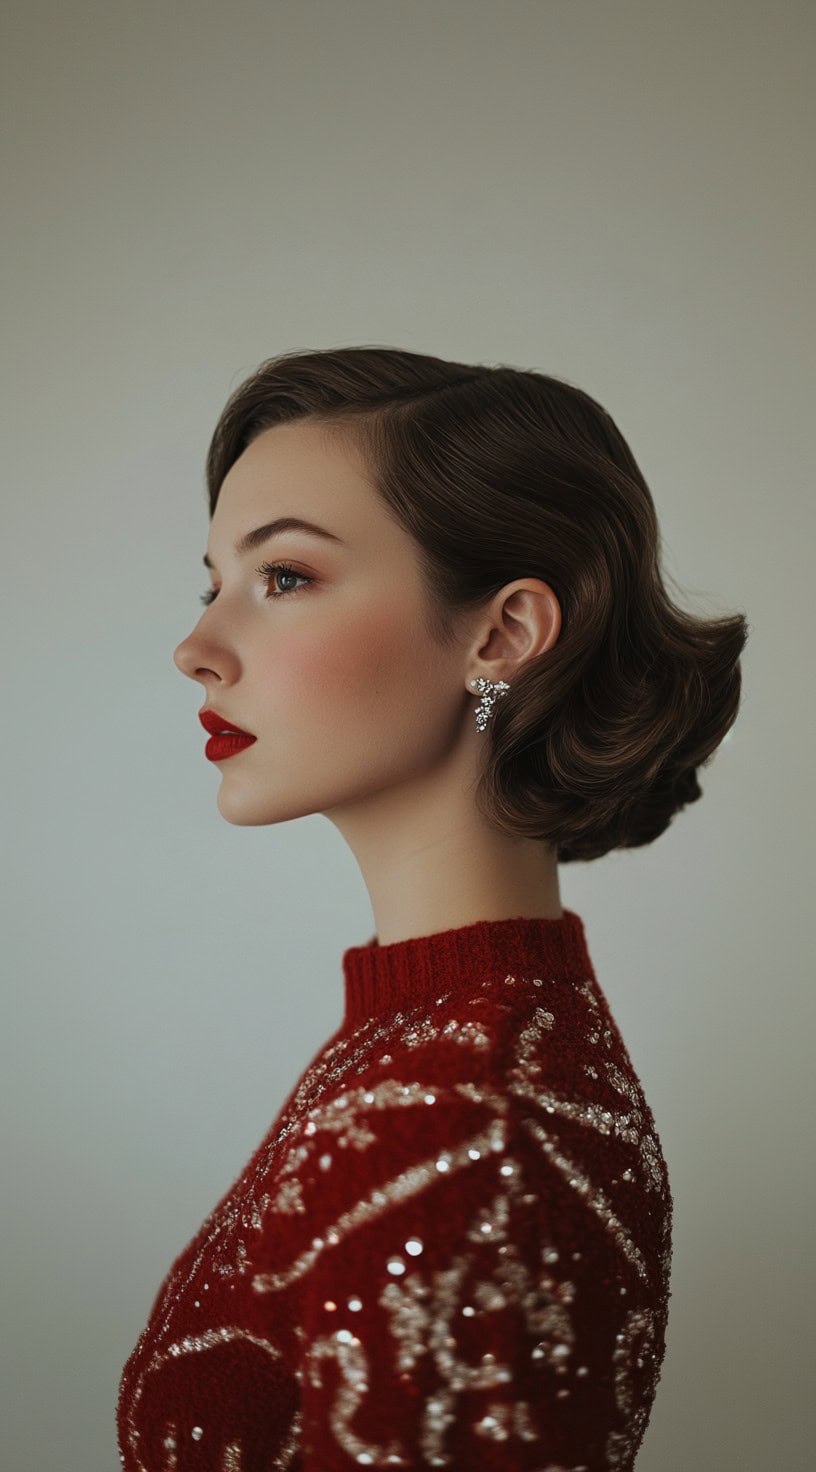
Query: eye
(269, 571)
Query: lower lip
(220, 747)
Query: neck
(430, 862)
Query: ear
(521, 621)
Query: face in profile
(327, 661)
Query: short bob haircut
(500, 473)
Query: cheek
(367, 663)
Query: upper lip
(213, 722)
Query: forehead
(311, 472)
(302, 459)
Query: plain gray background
(619, 194)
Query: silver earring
(491, 691)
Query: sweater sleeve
(461, 1304)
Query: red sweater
(451, 1249)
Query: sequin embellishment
(522, 1110)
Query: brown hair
(500, 473)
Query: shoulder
(522, 1086)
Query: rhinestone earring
(491, 691)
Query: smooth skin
(359, 714)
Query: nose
(202, 655)
(183, 658)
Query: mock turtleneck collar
(383, 979)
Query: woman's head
(335, 666)
(491, 521)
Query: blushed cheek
(344, 671)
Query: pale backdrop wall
(617, 193)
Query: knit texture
(451, 1249)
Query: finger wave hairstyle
(500, 473)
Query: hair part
(500, 473)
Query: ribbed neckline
(382, 979)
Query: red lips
(213, 722)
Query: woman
(453, 1246)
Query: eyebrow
(261, 534)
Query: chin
(241, 810)
(244, 810)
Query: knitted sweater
(451, 1249)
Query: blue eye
(270, 570)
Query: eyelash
(269, 570)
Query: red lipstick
(226, 739)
